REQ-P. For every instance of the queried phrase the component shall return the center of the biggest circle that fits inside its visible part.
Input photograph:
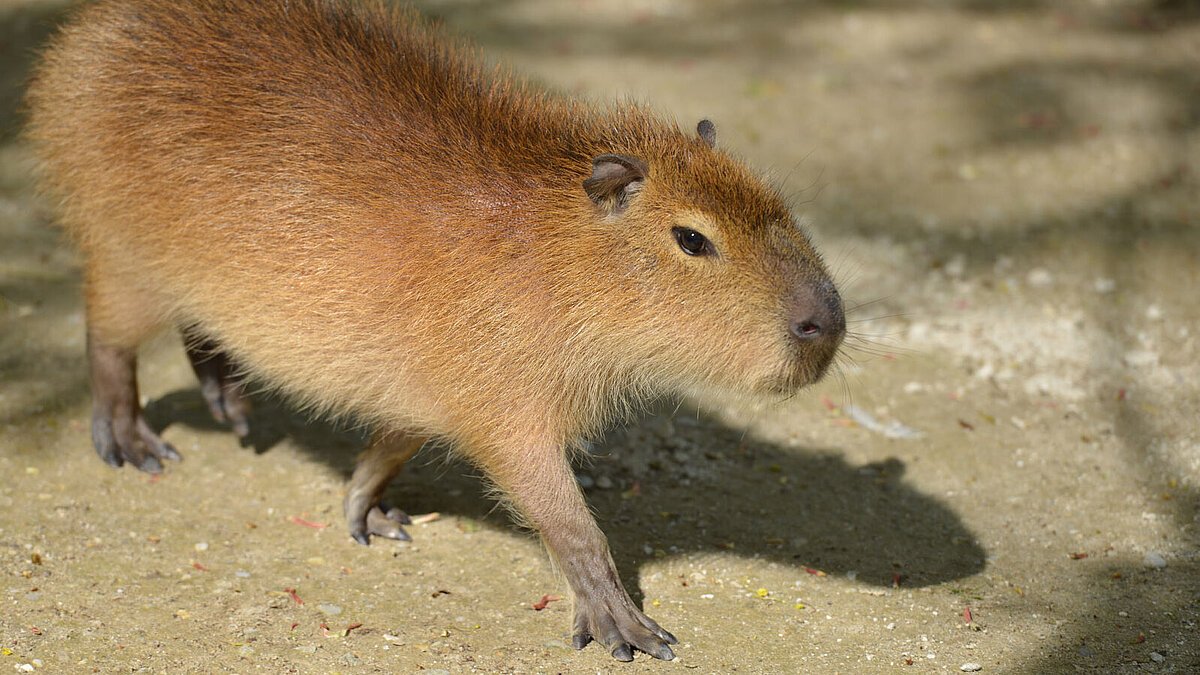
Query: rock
(1039, 278)
(1155, 560)
(1140, 358)
(970, 667)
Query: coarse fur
(361, 214)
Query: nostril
(806, 330)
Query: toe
(658, 650)
(105, 442)
(149, 464)
(622, 652)
(658, 630)
(168, 451)
(381, 525)
(396, 515)
(237, 411)
(155, 445)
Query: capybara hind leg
(220, 383)
(119, 431)
(541, 484)
(384, 457)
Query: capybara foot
(219, 384)
(136, 443)
(622, 628)
(379, 520)
(227, 405)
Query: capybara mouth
(805, 369)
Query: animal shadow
(669, 487)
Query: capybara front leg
(385, 456)
(545, 491)
(119, 431)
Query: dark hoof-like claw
(136, 444)
(622, 629)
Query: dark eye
(691, 241)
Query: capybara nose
(825, 318)
(807, 330)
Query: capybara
(333, 199)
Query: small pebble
(242, 574)
(585, 481)
(1155, 560)
(1039, 278)
(1139, 358)
(329, 609)
(956, 266)
(202, 546)
(604, 483)
(970, 667)
(1103, 285)
(1154, 313)
(1157, 658)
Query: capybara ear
(708, 132)
(615, 178)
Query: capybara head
(733, 293)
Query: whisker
(881, 317)
(846, 392)
(857, 306)
(794, 167)
(814, 182)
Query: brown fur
(371, 221)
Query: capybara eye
(691, 241)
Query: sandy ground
(1007, 475)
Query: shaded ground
(1011, 193)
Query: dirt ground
(1007, 476)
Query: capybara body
(332, 198)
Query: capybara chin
(331, 198)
